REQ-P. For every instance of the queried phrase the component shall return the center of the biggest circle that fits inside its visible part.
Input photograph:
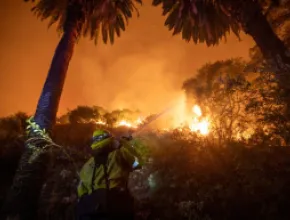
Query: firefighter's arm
(113, 144)
(129, 156)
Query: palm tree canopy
(198, 20)
(206, 21)
(109, 17)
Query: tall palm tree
(76, 19)
(210, 20)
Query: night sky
(144, 69)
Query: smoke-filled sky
(144, 69)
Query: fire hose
(140, 129)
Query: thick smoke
(144, 69)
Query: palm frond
(117, 29)
(111, 33)
(107, 16)
(197, 20)
(105, 33)
(156, 2)
(120, 22)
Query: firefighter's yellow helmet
(101, 137)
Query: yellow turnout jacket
(116, 167)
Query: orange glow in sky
(143, 70)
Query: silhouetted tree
(83, 114)
(222, 91)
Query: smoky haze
(143, 70)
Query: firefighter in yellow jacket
(102, 191)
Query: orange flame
(129, 124)
(194, 121)
(198, 123)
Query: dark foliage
(186, 177)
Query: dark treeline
(186, 176)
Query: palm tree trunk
(256, 24)
(249, 14)
(48, 103)
(24, 194)
(272, 47)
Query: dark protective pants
(106, 205)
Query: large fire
(198, 119)
(194, 121)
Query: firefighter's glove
(116, 143)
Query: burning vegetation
(194, 120)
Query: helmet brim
(97, 144)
